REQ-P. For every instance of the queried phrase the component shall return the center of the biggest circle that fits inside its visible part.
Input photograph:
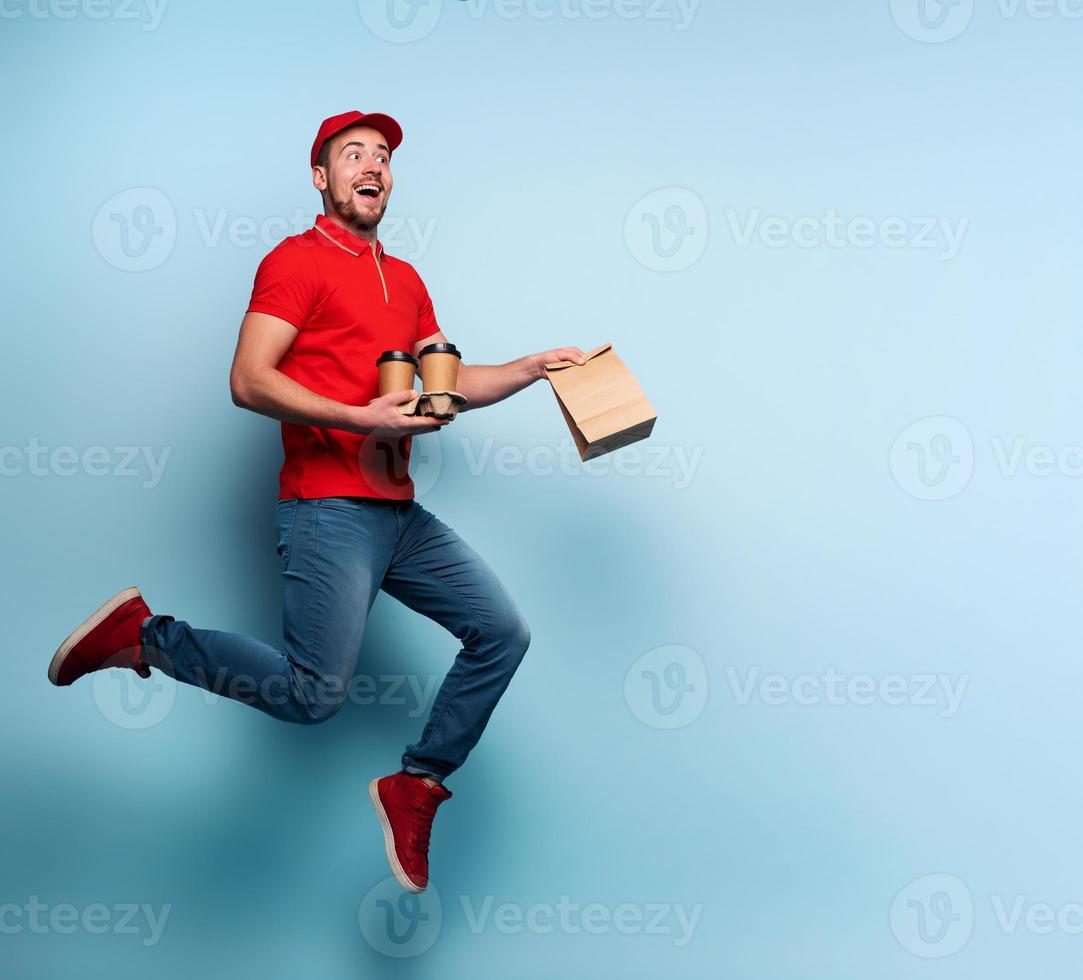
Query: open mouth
(368, 191)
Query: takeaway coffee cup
(439, 367)
(397, 369)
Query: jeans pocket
(285, 516)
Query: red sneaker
(406, 804)
(109, 638)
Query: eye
(352, 154)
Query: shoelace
(426, 810)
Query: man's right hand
(381, 416)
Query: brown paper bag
(602, 403)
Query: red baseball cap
(377, 120)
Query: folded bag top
(557, 365)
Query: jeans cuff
(417, 771)
(146, 633)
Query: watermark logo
(400, 21)
(135, 230)
(666, 230)
(132, 702)
(933, 916)
(400, 924)
(666, 688)
(932, 21)
(382, 462)
(933, 459)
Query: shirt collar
(345, 239)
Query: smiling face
(353, 173)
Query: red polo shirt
(349, 304)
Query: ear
(319, 178)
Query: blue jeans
(336, 552)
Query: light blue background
(795, 548)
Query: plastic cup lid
(440, 349)
(396, 355)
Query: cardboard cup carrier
(439, 375)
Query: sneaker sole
(95, 619)
(389, 841)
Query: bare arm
(485, 384)
(256, 384)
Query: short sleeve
(286, 284)
(426, 317)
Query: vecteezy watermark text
(565, 916)
(677, 464)
(404, 925)
(407, 236)
(40, 918)
(411, 690)
(832, 230)
(833, 688)
(150, 12)
(136, 229)
(681, 12)
(404, 21)
(131, 702)
(122, 462)
(667, 230)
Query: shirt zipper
(379, 272)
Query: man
(325, 305)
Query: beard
(357, 214)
